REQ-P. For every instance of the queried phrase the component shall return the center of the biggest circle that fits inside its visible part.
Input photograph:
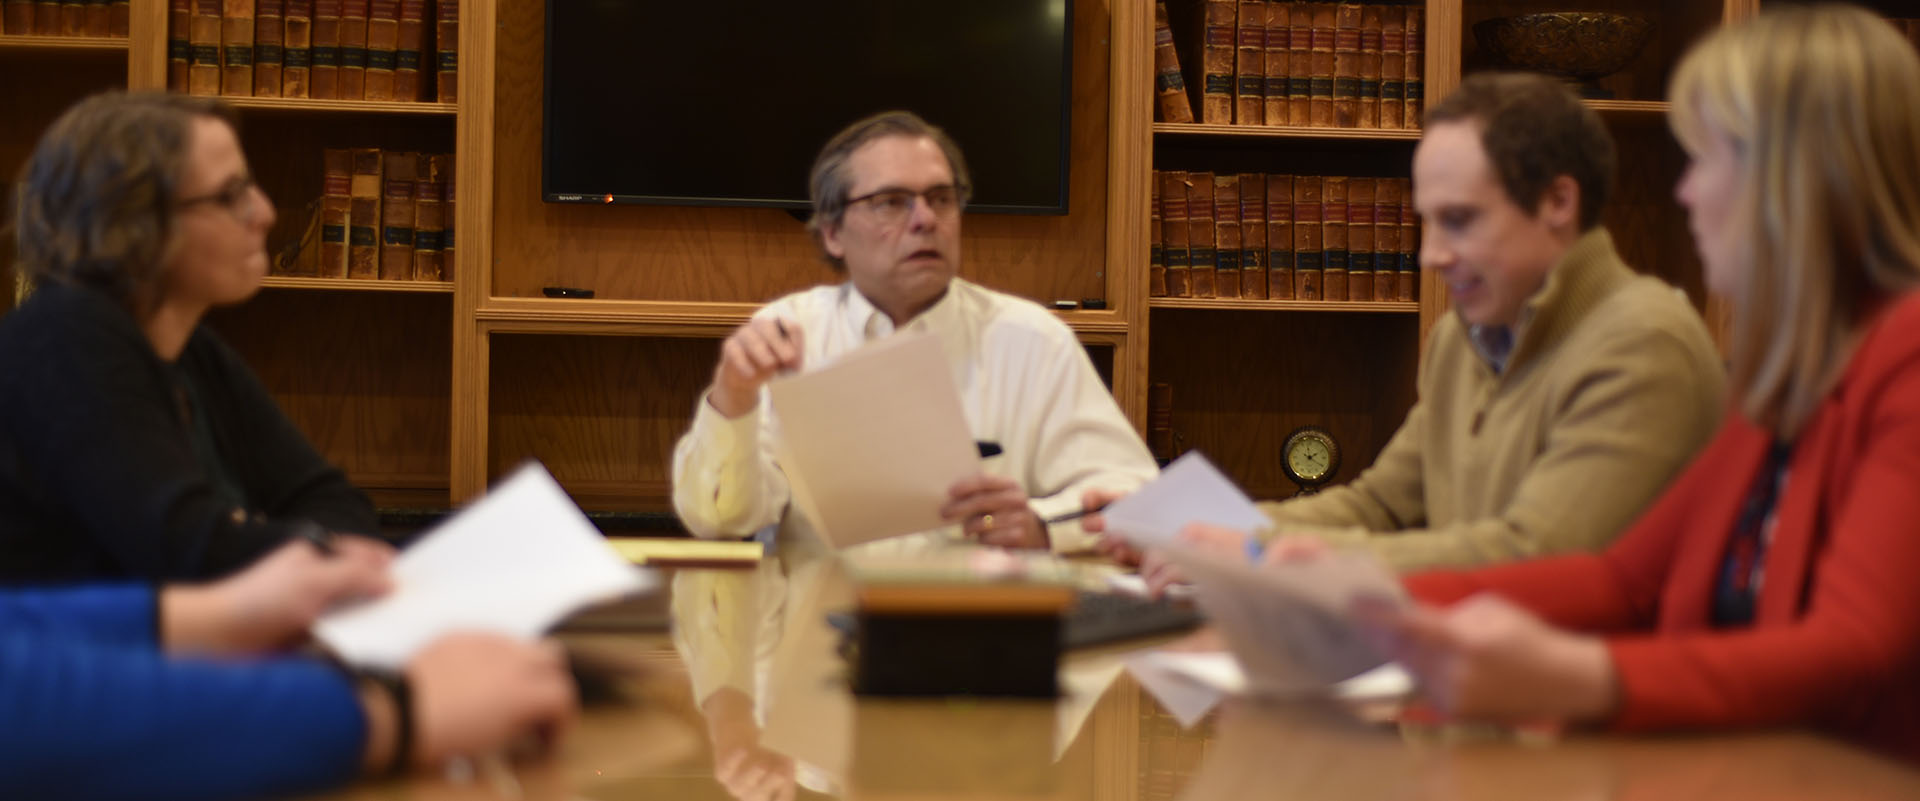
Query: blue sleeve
(83, 721)
(105, 614)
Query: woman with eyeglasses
(1777, 582)
(133, 442)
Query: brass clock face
(1310, 456)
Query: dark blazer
(98, 477)
(1835, 642)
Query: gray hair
(829, 183)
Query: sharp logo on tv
(743, 127)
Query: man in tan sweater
(1562, 394)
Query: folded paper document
(1191, 490)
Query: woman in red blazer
(1777, 582)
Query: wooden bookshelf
(1608, 108)
(56, 44)
(306, 105)
(1237, 304)
(668, 318)
(1258, 132)
(355, 285)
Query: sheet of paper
(871, 443)
(514, 563)
(1189, 684)
(1191, 490)
(1288, 625)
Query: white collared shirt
(1025, 383)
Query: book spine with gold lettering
(1346, 66)
(296, 49)
(203, 41)
(336, 208)
(269, 47)
(363, 217)
(179, 52)
(1371, 33)
(46, 18)
(446, 58)
(1409, 271)
(353, 49)
(1200, 233)
(1414, 88)
(1393, 66)
(1306, 238)
(1156, 243)
(1274, 109)
(323, 82)
(410, 51)
(1360, 200)
(383, 44)
(1216, 63)
(399, 172)
(1173, 222)
(1333, 238)
(236, 48)
(430, 218)
(1386, 238)
(1324, 34)
(1250, 63)
(1300, 64)
(1280, 237)
(1168, 85)
(1253, 236)
(1227, 244)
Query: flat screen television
(689, 103)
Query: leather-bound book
(1250, 63)
(46, 18)
(119, 18)
(16, 18)
(1175, 229)
(336, 204)
(1253, 236)
(412, 48)
(269, 47)
(1333, 238)
(1414, 88)
(383, 45)
(296, 49)
(1370, 38)
(1386, 238)
(1393, 66)
(1226, 236)
(323, 82)
(1275, 61)
(236, 48)
(1409, 273)
(398, 172)
(1280, 237)
(1320, 109)
(203, 42)
(446, 60)
(353, 49)
(1200, 233)
(1156, 244)
(1160, 421)
(1346, 66)
(96, 16)
(363, 216)
(1168, 84)
(430, 218)
(1216, 63)
(1360, 200)
(1306, 238)
(179, 52)
(73, 17)
(447, 207)
(1300, 64)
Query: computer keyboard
(1098, 618)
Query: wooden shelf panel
(1624, 107)
(62, 43)
(306, 105)
(676, 318)
(1174, 129)
(356, 285)
(1381, 306)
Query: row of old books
(383, 215)
(1322, 65)
(321, 49)
(1282, 237)
(100, 19)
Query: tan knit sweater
(1612, 385)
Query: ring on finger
(986, 522)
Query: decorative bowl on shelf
(1580, 46)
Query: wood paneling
(1675, 26)
(363, 374)
(1648, 224)
(36, 85)
(753, 255)
(1243, 380)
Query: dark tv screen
(726, 104)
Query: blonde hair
(1819, 104)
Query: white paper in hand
(514, 563)
(871, 443)
(1191, 490)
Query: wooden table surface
(758, 638)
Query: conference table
(748, 697)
